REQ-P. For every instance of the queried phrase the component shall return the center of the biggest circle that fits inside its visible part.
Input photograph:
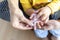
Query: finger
(48, 27)
(25, 20)
(39, 14)
(32, 16)
(26, 27)
(35, 27)
(29, 26)
(46, 20)
(38, 10)
(22, 27)
(30, 23)
(39, 24)
(43, 17)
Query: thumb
(34, 14)
(27, 21)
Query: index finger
(39, 14)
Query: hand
(52, 24)
(17, 17)
(34, 18)
(44, 13)
(30, 11)
(18, 20)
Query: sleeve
(25, 4)
(54, 5)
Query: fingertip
(30, 17)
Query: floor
(7, 32)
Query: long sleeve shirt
(36, 4)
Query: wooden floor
(7, 32)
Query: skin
(52, 24)
(43, 17)
(17, 17)
(44, 13)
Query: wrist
(30, 11)
(50, 11)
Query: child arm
(27, 7)
(54, 5)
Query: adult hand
(17, 17)
(19, 21)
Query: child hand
(44, 13)
(52, 24)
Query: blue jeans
(43, 33)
